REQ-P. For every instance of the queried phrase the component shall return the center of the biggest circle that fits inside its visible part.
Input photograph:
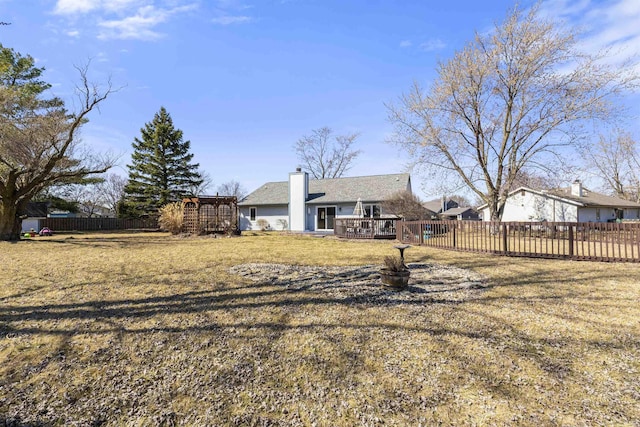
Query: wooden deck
(365, 228)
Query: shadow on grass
(17, 422)
(125, 316)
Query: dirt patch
(363, 284)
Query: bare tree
(39, 144)
(406, 205)
(461, 200)
(84, 196)
(324, 155)
(616, 160)
(536, 180)
(112, 191)
(232, 188)
(199, 188)
(511, 100)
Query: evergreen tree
(161, 170)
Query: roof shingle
(373, 188)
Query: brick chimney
(576, 188)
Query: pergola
(211, 214)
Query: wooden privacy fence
(564, 240)
(97, 224)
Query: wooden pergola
(211, 214)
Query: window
(597, 214)
(252, 213)
(372, 211)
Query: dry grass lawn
(149, 329)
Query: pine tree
(161, 170)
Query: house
(461, 213)
(440, 205)
(303, 204)
(571, 204)
(36, 211)
(450, 209)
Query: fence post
(455, 226)
(571, 241)
(504, 238)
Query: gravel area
(363, 284)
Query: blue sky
(245, 79)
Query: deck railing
(365, 228)
(565, 240)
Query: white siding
(591, 214)
(298, 192)
(606, 214)
(632, 214)
(533, 207)
(30, 223)
(272, 214)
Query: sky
(244, 80)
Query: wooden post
(504, 238)
(454, 234)
(570, 240)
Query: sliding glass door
(325, 217)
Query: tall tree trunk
(10, 221)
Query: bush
(263, 224)
(394, 263)
(406, 205)
(171, 216)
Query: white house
(36, 211)
(303, 204)
(571, 204)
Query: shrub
(406, 205)
(284, 224)
(263, 224)
(394, 263)
(171, 216)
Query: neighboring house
(450, 209)
(467, 213)
(57, 213)
(36, 211)
(440, 205)
(301, 204)
(571, 204)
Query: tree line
(513, 106)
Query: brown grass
(148, 329)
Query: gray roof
(373, 188)
(435, 205)
(588, 199)
(591, 198)
(458, 211)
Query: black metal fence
(564, 240)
